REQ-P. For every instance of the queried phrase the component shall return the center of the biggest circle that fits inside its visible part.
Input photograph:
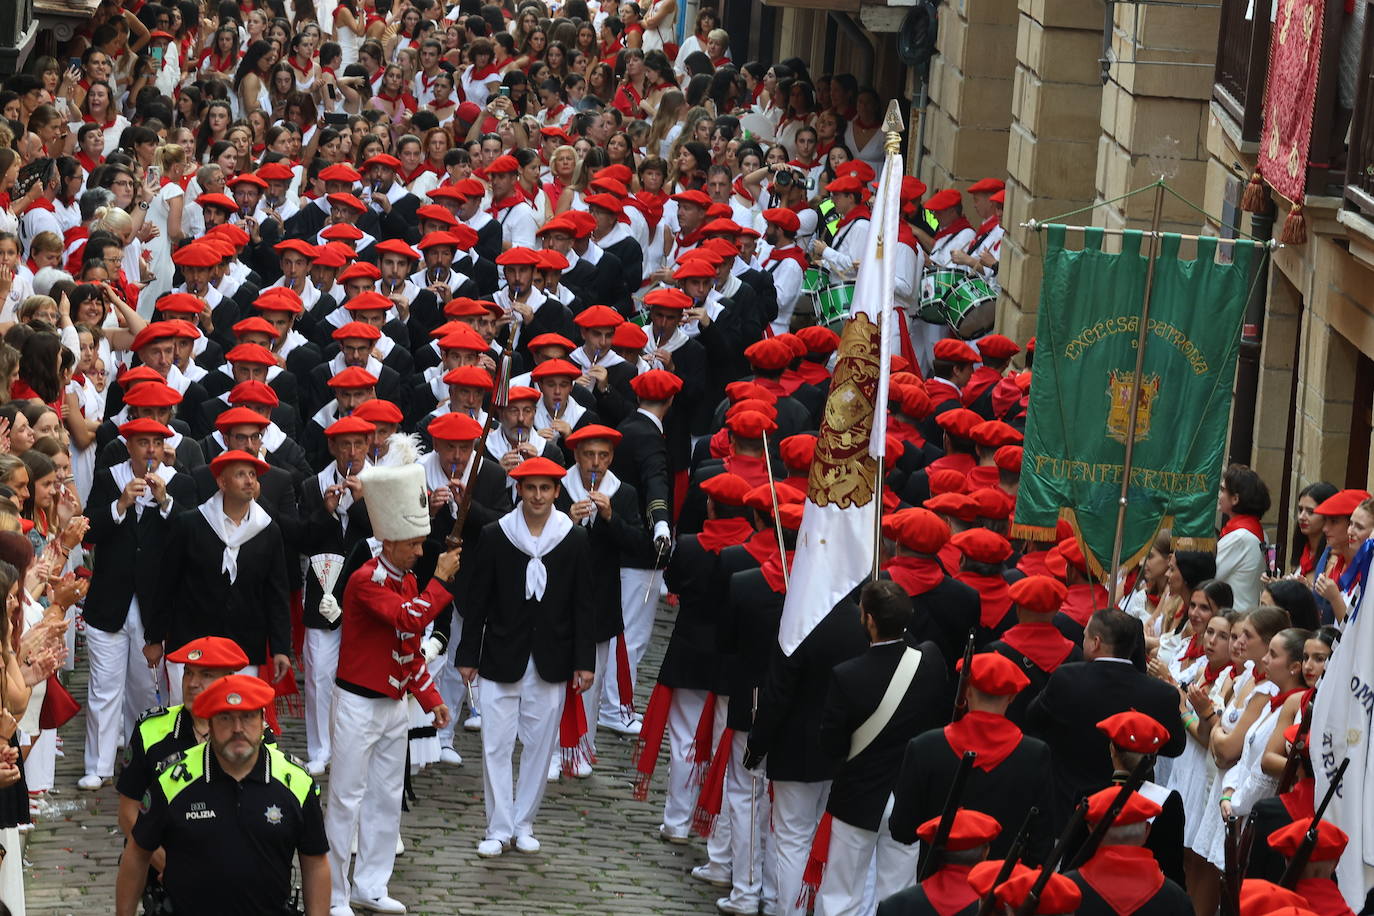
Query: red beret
(223, 201)
(552, 260)
(656, 385)
(555, 368)
(344, 199)
(914, 401)
(695, 268)
(246, 178)
(986, 186)
(726, 489)
(982, 875)
(790, 515)
(958, 422)
(464, 338)
(912, 189)
(695, 198)
(210, 652)
(224, 459)
(300, 246)
(251, 353)
(158, 330)
(1039, 594)
(180, 304)
(739, 391)
(668, 298)
(604, 182)
(993, 503)
(558, 224)
(240, 416)
(235, 693)
(598, 316)
(378, 410)
(340, 171)
(144, 427)
(346, 426)
(794, 343)
(1008, 458)
(469, 377)
(995, 434)
(944, 200)
(382, 159)
(769, 353)
(454, 427)
(227, 231)
(945, 480)
(593, 431)
(848, 184)
(818, 339)
(464, 307)
(438, 239)
(279, 299)
(958, 505)
(782, 217)
(538, 467)
(1059, 897)
(397, 246)
(949, 350)
(518, 256)
(583, 223)
(750, 424)
(627, 336)
(722, 226)
(517, 393)
(1137, 810)
(501, 165)
(469, 187)
(739, 407)
(996, 346)
(969, 830)
(760, 498)
(1260, 898)
(342, 232)
(360, 270)
(368, 301)
(606, 202)
(196, 254)
(437, 213)
(798, 451)
(1331, 840)
(356, 330)
(549, 339)
(999, 198)
(152, 394)
(982, 546)
(1064, 554)
(1343, 502)
(275, 171)
(1134, 731)
(995, 674)
(920, 530)
(353, 377)
(254, 393)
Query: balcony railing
(1242, 60)
(1359, 181)
(1327, 155)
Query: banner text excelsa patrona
(1130, 324)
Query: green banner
(1086, 339)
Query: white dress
(348, 43)
(1192, 771)
(872, 152)
(161, 247)
(1210, 839)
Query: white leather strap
(865, 734)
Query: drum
(971, 307)
(832, 297)
(936, 285)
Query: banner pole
(1136, 382)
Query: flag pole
(892, 146)
(777, 521)
(1136, 383)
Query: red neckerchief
(1032, 563)
(916, 575)
(439, 108)
(802, 483)
(907, 237)
(1243, 522)
(783, 387)
(516, 198)
(1324, 896)
(815, 374)
(1209, 677)
(480, 75)
(1125, 877)
(983, 378)
(959, 225)
(984, 475)
(941, 390)
(427, 82)
(554, 189)
(31, 265)
(798, 164)
(991, 736)
(690, 240)
(1338, 568)
(303, 71)
(1300, 801)
(739, 187)
(651, 205)
(762, 545)
(989, 224)
(994, 593)
(217, 63)
(861, 125)
(529, 196)
(948, 892)
(1041, 643)
(103, 126)
(87, 163)
(753, 470)
(403, 177)
(1083, 599)
(954, 461)
(403, 97)
(789, 253)
(1307, 562)
(1195, 649)
(903, 430)
(41, 203)
(859, 212)
(1278, 699)
(554, 112)
(772, 569)
(719, 533)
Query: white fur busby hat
(397, 501)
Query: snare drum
(833, 297)
(936, 285)
(971, 307)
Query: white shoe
(582, 769)
(316, 767)
(555, 767)
(729, 906)
(672, 836)
(709, 874)
(621, 727)
(472, 724)
(90, 782)
(490, 849)
(526, 844)
(400, 845)
(381, 904)
(450, 756)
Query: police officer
(164, 733)
(231, 814)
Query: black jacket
(862, 784)
(691, 660)
(748, 633)
(324, 532)
(610, 542)
(641, 460)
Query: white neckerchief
(571, 413)
(272, 438)
(176, 380)
(124, 472)
(582, 360)
(255, 521)
(373, 367)
(536, 548)
(437, 477)
(674, 341)
(293, 340)
(328, 478)
(607, 485)
(713, 309)
(498, 444)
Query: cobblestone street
(601, 852)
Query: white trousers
(797, 809)
(638, 613)
(320, 659)
(366, 779)
(590, 698)
(451, 686)
(684, 714)
(863, 868)
(528, 709)
(746, 792)
(120, 688)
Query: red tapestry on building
(1295, 51)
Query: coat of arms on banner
(1119, 415)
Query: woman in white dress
(253, 77)
(1204, 682)
(866, 130)
(165, 212)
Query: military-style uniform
(230, 844)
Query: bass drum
(971, 307)
(936, 285)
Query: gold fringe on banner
(1031, 533)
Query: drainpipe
(863, 47)
(1251, 341)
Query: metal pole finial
(893, 127)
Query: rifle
(1295, 754)
(1309, 841)
(1014, 852)
(1123, 794)
(965, 675)
(956, 791)
(498, 397)
(1239, 839)
(1032, 901)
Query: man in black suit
(1035, 643)
(613, 237)
(670, 348)
(153, 401)
(155, 347)
(1122, 878)
(875, 705)
(527, 632)
(279, 449)
(251, 362)
(1011, 773)
(1081, 694)
(448, 470)
(130, 507)
(944, 610)
(224, 574)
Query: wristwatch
(143, 205)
